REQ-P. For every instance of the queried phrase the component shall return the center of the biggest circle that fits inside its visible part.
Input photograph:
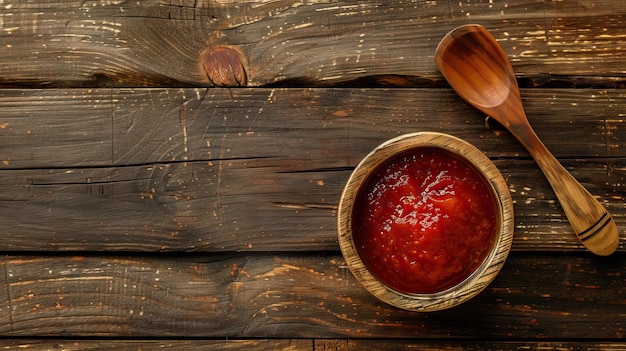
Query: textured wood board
(303, 345)
(158, 43)
(131, 154)
(262, 169)
(303, 295)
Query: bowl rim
(476, 281)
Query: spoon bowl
(478, 69)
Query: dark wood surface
(143, 207)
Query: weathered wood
(85, 171)
(166, 345)
(373, 345)
(262, 169)
(323, 128)
(304, 345)
(288, 296)
(158, 43)
(252, 206)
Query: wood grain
(165, 344)
(303, 295)
(300, 345)
(262, 169)
(329, 128)
(303, 345)
(116, 162)
(157, 43)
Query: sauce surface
(424, 221)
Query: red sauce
(424, 221)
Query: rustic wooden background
(149, 200)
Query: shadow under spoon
(479, 71)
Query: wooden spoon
(478, 69)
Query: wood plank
(368, 345)
(158, 43)
(251, 206)
(302, 296)
(263, 169)
(304, 345)
(327, 128)
(169, 345)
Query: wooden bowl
(364, 269)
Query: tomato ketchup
(424, 221)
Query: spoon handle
(592, 224)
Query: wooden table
(150, 199)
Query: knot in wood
(224, 66)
